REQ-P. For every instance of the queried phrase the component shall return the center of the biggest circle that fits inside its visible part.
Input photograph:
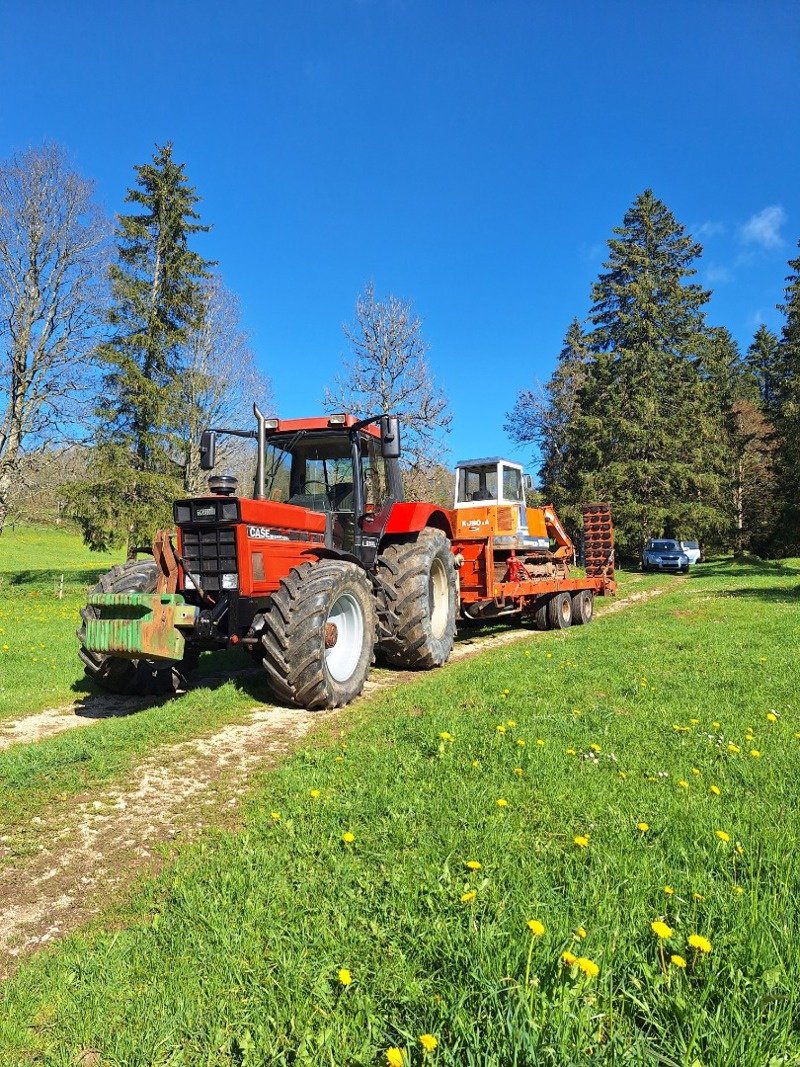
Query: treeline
(119, 344)
(660, 413)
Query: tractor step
(134, 625)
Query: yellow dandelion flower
(755, 753)
(739, 849)
(549, 655)
(348, 837)
(313, 793)
(511, 723)
(796, 734)
(468, 897)
(697, 896)
(275, 816)
(678, 961)
(699, 943)
(683, 784)
(582, 841)
(428, 1042)
(738, 890)
(568, 958)
(595, 748)
(715, 790)
(571, 752)
(345, 977)
(519, 772)
(476, 763)
(535, 927)
(622, 774)
(501, 728)
(771, 716)
(473, 865)
(589, 967)
(643, 827)
(506, 692)
(715, 724)
(445, 735)
(395, 1057)
(501, 802)
(661, 930)
(668, 890)
(521, 742)
(733, 749)
(695, 771)
(580, 932)
(722, 835)
(539, 741)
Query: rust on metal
(331, 634)
(166, 563)
(136, 625)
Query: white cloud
(764, 227)
(709, 229)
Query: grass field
(479, 859)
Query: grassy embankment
(641, 770)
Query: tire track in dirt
(114, 835)
(31, 728)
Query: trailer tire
(582, 607)
(419, 623)
(318, 637)
(539, 613)
(559, 611)
(132, 677)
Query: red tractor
(322, 565)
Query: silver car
(661, 554)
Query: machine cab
(490, 498)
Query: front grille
(210, 553)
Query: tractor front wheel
(132, 677)
(318, 635)
(420, 623)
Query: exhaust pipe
(261, 437)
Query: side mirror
(527, 481)
(390, 437)
(208, 449)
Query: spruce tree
(787, 413)
(762, 362)
(641, 438)
(157, 293)
(545, 417)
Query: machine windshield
(315, 470)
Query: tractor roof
(322, 422)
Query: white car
(692, 550)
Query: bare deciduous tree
(389, 373)
(52, 266)
(218, 385)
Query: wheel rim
(344, 637)
(438, 598)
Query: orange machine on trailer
(514, 559)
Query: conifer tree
(545, 417)
(157, 292)
(787, 414)
(762, 362)
(641, 436)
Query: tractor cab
(490, 499)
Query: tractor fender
(408, 517)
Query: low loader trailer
(327, 566)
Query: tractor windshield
(311, 470)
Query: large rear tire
(318, 636)
(132, 677)
(420, 577)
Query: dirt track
(112, 836)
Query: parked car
(664, 555)
(692, 550)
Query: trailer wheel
(318, 637)
(582, 607)
(132, 677)
(420, 621)
(559, 611)
(539, 613)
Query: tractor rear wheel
(318, 635)
(559, 611)
(132, 677)
(582, 607)
(420, 624)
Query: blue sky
(472, 157)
